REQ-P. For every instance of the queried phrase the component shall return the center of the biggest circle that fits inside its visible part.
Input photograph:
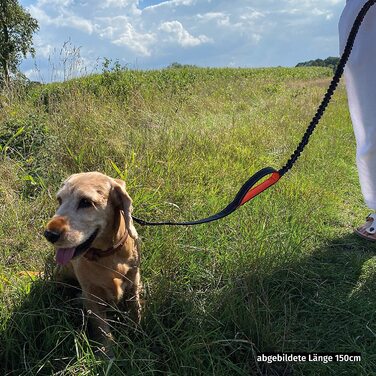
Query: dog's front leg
(99, 329)
(133, 300)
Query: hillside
(283, 273)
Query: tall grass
(283, 273)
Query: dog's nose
(52, 236)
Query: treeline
(330, 62)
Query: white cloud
(220, 18)
(251, 15)
(44, 50)
(135, 41)
(119, 3)
(171, 4)
(121, 32)
(64, 19)
(131, 6)
(182, 36)
(62, 3)
(76, 22)
(211, 16)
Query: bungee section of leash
(332, 87)
(248, 191)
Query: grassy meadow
(284, 273)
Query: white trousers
(360, 77)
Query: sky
(75, 36)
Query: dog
(97, 245)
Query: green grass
(283, 273)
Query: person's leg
(360, 77)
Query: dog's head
(89, 207)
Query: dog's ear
(124, 201)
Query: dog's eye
(85, 203)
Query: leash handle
(247, 192)
(261, 187)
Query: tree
(16, 37)
(330, 62)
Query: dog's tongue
(64, 255)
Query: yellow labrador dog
(97, 244)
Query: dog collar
(93, 254)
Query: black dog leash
(248, 191)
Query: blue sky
(75, 35)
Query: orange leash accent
(261, 187)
